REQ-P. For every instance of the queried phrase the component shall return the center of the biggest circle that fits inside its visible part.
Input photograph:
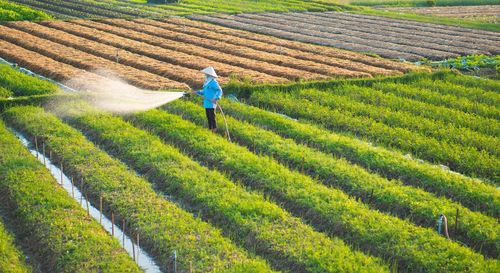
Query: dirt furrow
(217, 25)
(297, 33)
(266, 47)
(209, 41)
(381, 35)
(161, 54)
(43, 65)
(87, 61)
(189, 76)
(375, 40)
(401, 28)
(138, 35)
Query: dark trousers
(212, 124)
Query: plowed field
(390, 38)
(168, 54)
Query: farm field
(13, 12)
(282, 158)
(168, 54)
(140, 8)
(419, 3)
(389, 38)
(347, 140)
(487, 13)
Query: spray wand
(217, 105)
(225, 122)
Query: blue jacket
(211, 90)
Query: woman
(210, 93)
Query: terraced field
(168, 54)
(390, 38)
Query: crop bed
(484, 11)
(133, 8)
(168, 54)
(295, 195)
(390, 38)
(13, 12)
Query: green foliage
(476, 95)
(21, 84)
(245, 217)
(463, 159)
(431, 128)
(14, 12)
(61, 235)
(162, 225)
(390, 101)
(478, 231)
(468, 63)
(329, 209)
(5, 93)
(447, 100)
(470, 192)
(11, 259)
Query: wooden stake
(43, 152)
(87, 198)
(190, 267)
(137, 242)
(123, 234)
(100, 209)
(72, 187)
(61, 172)
(36, 147)
(81, 191)
(112, 224)
(175, 261)
(133, 248)
(456, 222)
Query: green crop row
(61, 235)
(480, 232)
(14, 12)
(5, 93)
(21, 84)
(475, 82)
(472, 193)
(440, 113)
(247, 218)
(466, 160)
(424, 127)
(162, 225)
(11, 259)
(414, 248)
(450, 101)
(477, 95)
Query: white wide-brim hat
(210, 71)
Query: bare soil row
(390, 38)
(168, 54)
